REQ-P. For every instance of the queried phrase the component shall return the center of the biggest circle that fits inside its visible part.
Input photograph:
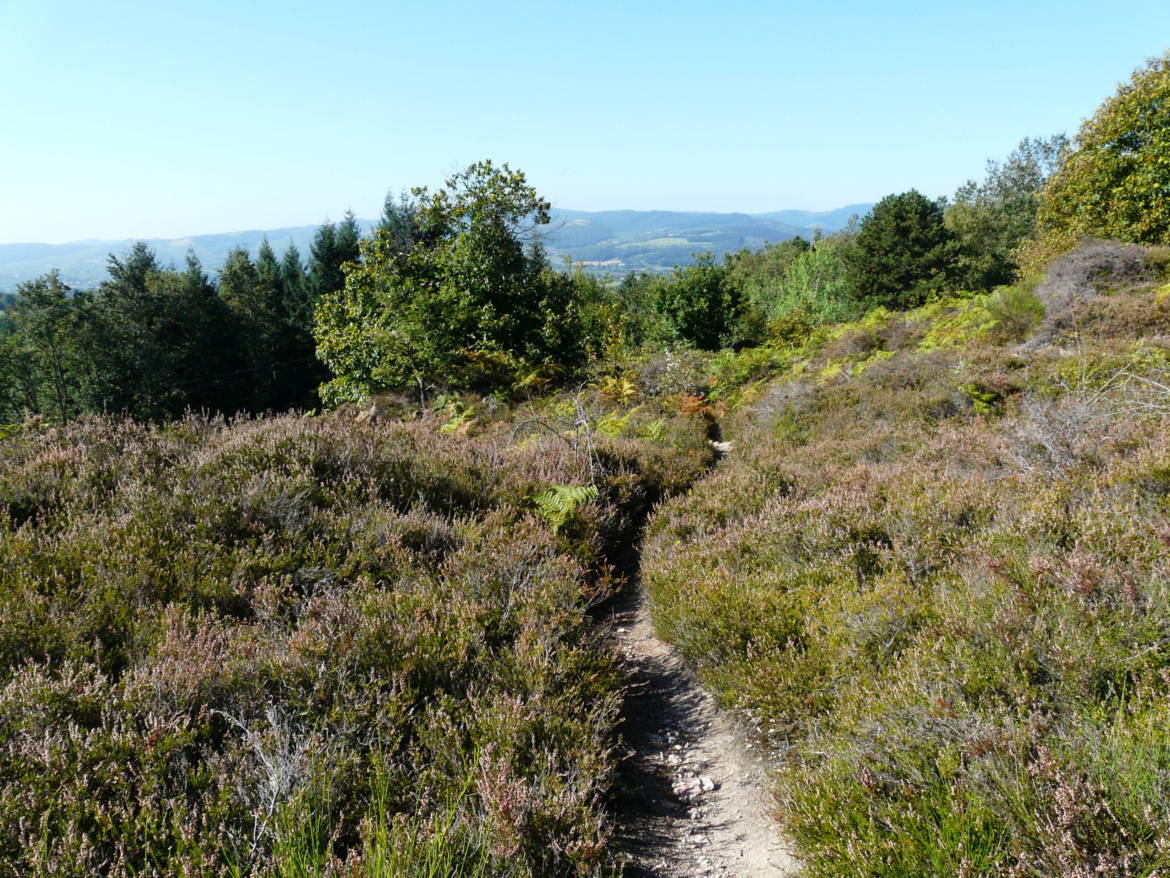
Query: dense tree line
(153, 341)
(454, 290)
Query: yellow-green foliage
(1113, 184)
(848, 349)
(1016, 311)
(943, 585)
(654, 430)
(560, 502)
(614, 423)
(954, 322)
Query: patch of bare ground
(693, 798)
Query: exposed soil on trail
(693, 800)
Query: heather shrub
(1079, 277)
(937, 582)
(674, 371)
(309, 646)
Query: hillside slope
(313, 646)
(934, 569)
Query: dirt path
(694, 800)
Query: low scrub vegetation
(309, 646)
(934, 570)
(359, 643)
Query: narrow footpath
(694, 799)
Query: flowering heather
(304, 646)
(937, 577)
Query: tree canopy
(699, 303)
(992, 219)
(902, 252)
(452, 289)
(1116, 181)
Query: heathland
(898, 495)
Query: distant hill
(607, 242)
(83, 263)
(620, 241)
(826, 220)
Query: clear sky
(136, 119)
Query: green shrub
(938, 584)
(1017, 311)
(301, 646)
(699, 304)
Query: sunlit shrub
(310, 645)
(938, 584)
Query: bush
(699, 304)
(1113, 183)
(1078, 277)
(817, 287)
(1017, 311)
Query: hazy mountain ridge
(83, 263)
(611, 241)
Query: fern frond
(560, 503)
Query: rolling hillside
(609, 242)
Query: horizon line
(760, 214)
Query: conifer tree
(155, 341)
(294, 288)
(349, 236)
(332, 247)
(271, 283)
(902, 252)
(401, 224)
(253, 300)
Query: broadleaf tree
(1115, 182)
(992, 219)
(699, 304)
(466, 299)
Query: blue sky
(134, 119)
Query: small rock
(687, 789)
(690, 788)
